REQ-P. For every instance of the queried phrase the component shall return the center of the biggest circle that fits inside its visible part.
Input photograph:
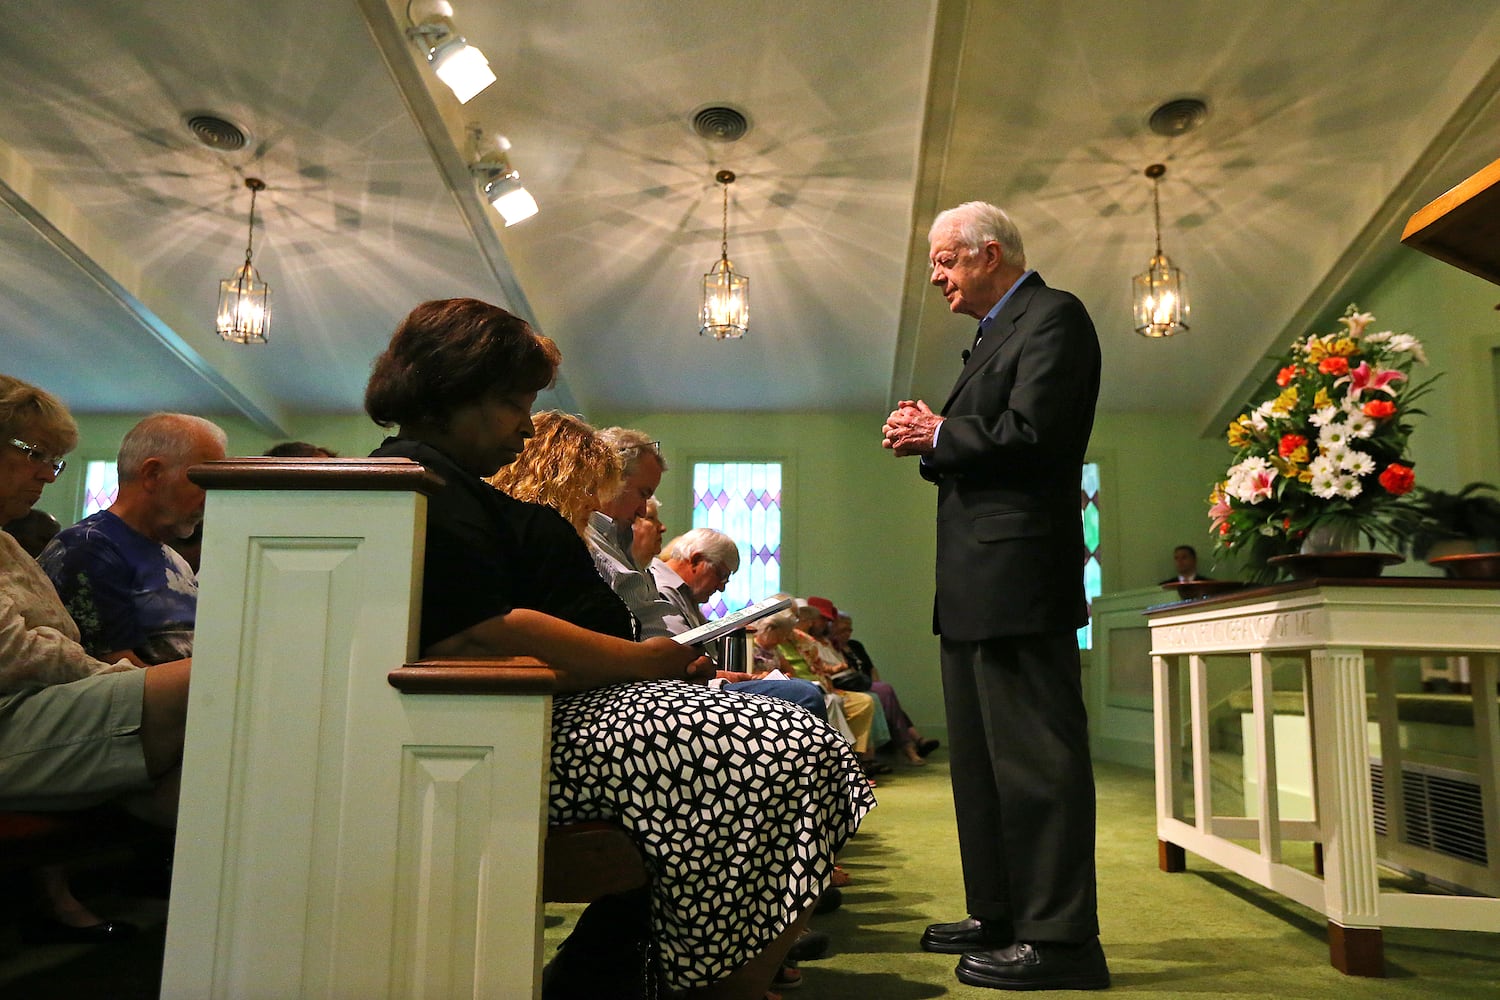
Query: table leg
(1170, 857)
(1356, 951)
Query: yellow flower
(1296, 458)
(1317, 350)
(1321, 399)
(1285, 402)
(1343, 347)
(1305, 476)
(1239, 432)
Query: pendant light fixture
(1160, 294)
(245, 300)
(726, 295)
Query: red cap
(825, 607)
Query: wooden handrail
(497, 675)
(316, 474)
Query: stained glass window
(99, 487)
(743, 500)
(1093, 575)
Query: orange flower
(1285, 376)
(1379, 408)
(1397, 478)
(1290, 443)
(1334, 366)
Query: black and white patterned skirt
(737, 801)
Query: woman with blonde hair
(565, 466)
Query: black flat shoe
(45, 930)
(831, 900)
(1037, 965)
(811, 945)
(925, 747)
(970, 934)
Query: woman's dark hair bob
(450, 353)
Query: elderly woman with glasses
(74, 731)
(634, 740)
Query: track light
(457, 63)
(501, 181)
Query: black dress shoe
(45, 930)
(831, 900)
(971, 934)
(1037, 965)
(927, 746)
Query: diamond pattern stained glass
(743, 500)
(1093, 572)
(100, 487)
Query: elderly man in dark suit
(1006, 453)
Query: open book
(732, 622)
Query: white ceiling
(1330, 122)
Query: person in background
(1185, 561)
(131, 593)
(906, 740)
(611, 534)
(75, 731)
(647, 531)
(298, 449)
(566, 466)
(814, 641)
(1006, 454)
(33, 529)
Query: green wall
(859, 526)
(1455, 315)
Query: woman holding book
(635, 741)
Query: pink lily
(1220, 511)
(1361, 379)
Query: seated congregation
(542, 542)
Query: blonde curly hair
(566, 466)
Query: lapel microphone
(965, 356)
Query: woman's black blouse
(488, 552)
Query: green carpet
(1199, 934)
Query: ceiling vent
(216, 132)
(719, 123)
(1178, 117)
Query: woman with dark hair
(739, 845)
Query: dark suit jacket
(1007, 466)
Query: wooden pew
(355, 822)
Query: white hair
(978, 222)
(708, 541)
(171, 437)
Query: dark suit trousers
(1023, 785)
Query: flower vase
(1331, 536)
(1331, 551)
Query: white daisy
(1357, 463)
(1333, 436)
(1360, 425)
(1322, 417)
(1349, 487)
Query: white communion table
(1336, 627)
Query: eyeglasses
(37, 455)
(722, 573)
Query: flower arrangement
(1327, 453)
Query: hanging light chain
(726, 178)
(1155, 172)
(256, 185)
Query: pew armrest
(497, 675)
